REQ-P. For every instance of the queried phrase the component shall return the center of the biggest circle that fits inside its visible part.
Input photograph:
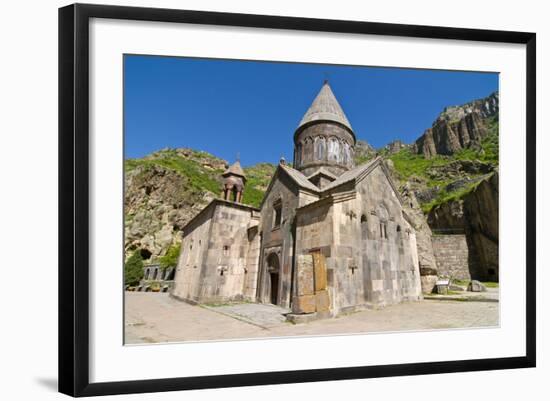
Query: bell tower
(234, 181)
(324, 138)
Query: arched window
(383, 217)
(277, 213)
(347, 158)
(308, 151)
(364, 227)
(298, 154)
(333, 149)
(320, 148)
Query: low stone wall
(451, 255)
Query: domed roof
(325, 107)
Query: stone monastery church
(329, 237)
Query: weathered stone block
(304, 266)
(441, 289)
(428, 283)
(304, 304)
(320, 270)
(476, 286)
(322, 301)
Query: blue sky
(249, 108)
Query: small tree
(133, 269)
(171, 257)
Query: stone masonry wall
(218, 256)
(278, 239)
(389, 261)
(451, 254)
(307, 159)
(365, 266)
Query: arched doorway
(273, 270)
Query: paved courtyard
(155, 317)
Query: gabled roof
(325, 107)
(299, 178)
(235, 169)
(295, 176)
(322, 171)
(360, 172)
(354, 173)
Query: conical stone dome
(324, 138)
(325, 107)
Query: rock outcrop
(459, 169)
(481, 214)
(157, 204)
(394, 146)
(166, 189)
(476, 214)
(426, 258)
(363, 152)
(458, 127)
(447, 216)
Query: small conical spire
(325, 107)
(235, 169)
(234, 182)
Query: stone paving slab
(491, 295)
(158, 318)
(261, 315)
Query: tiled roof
(325, 107)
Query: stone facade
(329, 238)
(452, 256)
(218, 261)
(368, 246)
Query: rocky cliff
(475, 214)
(458, 127)
(363, 152)
(481, 214)
(164, 190)
(394, 146)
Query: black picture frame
(74, 198)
